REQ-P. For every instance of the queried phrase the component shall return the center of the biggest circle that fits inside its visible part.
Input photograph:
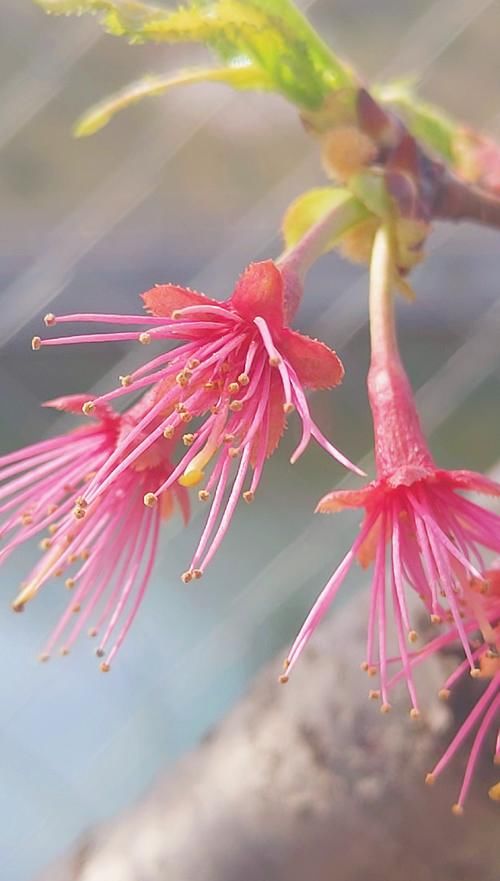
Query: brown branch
(306, 781)
(457, 200)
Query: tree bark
(309, 781)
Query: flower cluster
(214, 406)
(422, 534)
(213, 409)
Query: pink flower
(240, 371)
(106, 549)
(485, 715)
(419, 531)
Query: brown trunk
(307, 782)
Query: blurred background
(190, 188)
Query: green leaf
(430, 125)
(313, 206)
(245, 77)
(119, 17)
(369, 187)
(272, 35)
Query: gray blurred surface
(188, 189)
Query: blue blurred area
(189, 189)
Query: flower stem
(400, 445)
(383, 337)
(295, 262)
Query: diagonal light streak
(30, 90)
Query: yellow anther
(126, 380)
(169, 432)
(372, 671)
(150, 500)
(49, 319)
(76, 609)
(209, 385)
(92, 632)
(182, 379)
(186, 417)
(176, 314)
(192, 364)
(457, 810)
(248, 496)
(430, 779)
(228, 438)
(186, 577)
(385, 708)
(72, 558)
(475, 673)
(180, 407)
(51, 509)
(145, 338)
(104, 667)
(444, 694)
(196, 573)
(79, 512)
(70, 583)
(53, 527)
(188, 439)
(233, 388)
(274, 361)
(412, 636)
(26, 519)
(233, 452)
(374, 694)
(45, 544)
(84, 555)
(243, 379)
(436, 619)
(414, 713)
(88, 408)
(59, 572)
(364, 666)
(44, 657)
(203, 495)
(283, 679)
(36, 343)
(64, 651)
(236, 406)
(288, 408)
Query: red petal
(340, 499)
(259, 291)
(367, 551)
(182, 496)
(163, 299)
(277, 419)
(472, 482)
(167, 505)
(315, 364)
(74, 404)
